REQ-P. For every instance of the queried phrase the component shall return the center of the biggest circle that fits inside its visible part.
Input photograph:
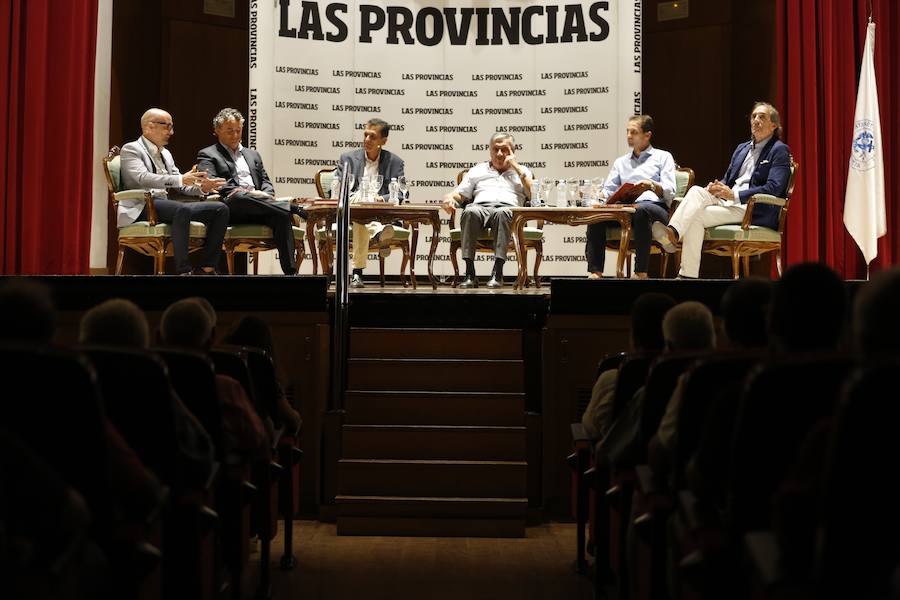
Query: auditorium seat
(781, 403)
(149, 237)
(534, 239)
(265, 474)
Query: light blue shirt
(653, 164)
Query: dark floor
(397, 568)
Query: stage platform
(564, 328)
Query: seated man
(368, 161)
(654, 171)
(489, 190)
(760, 166)
(147, 164)
(247, 191)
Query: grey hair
(773, 115)
(227, 114)
(501, 136)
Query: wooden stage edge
(563, 295)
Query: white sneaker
(661, 234)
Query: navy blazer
(389, 165)
(217, 161)
(770, 176)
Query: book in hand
(627, 194)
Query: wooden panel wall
(702, 75)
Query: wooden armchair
(149, 237)
(534, 238)
(684, 179)
(326, 240)
(740, 242)
(248, 237)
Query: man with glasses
(248, 191)
(148, 165)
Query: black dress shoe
(202, 271)
(356, 281)
(495, 282)
(468, 283)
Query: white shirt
(242, 169)
(488, 187)
(155, 153)
(742, 182)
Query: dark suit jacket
(771, 176)
(216, 160)
(389, 165)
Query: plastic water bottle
(335, 188)
(393, 189)
(561, 200)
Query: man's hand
(449, 203)
(510, 162)
(259, 194)
(720, 190)
(211, 184)
(193, 177)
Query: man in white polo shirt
(488, 191)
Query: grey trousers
(476, 218)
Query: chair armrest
(645, 480)
(131, 195)
(760, 199)
(764, 556)
(579, 434)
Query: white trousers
(697, 211)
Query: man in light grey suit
(146, 164)
(371, 159)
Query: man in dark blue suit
(248, 191)
(760, 166)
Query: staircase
(433, 441)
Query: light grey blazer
(137, 172)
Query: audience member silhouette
(745, 305)
(687, 327)
(119, 322)
(190, 323)
(647, 312)
(255, 332)
(876, 318)
(27, 312)
(808, 311)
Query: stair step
(435, 375)
(432, 478)
(431, 527)
(434, 408)
(435, 343)
(430, 442)
(430, 506)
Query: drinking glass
(375, 186)
(404, 187)
(547, 185)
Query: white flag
(864, 202)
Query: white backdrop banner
(563, 78)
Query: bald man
(148, 165)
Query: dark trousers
(247, 209)
(645, 213)
(476, 218)
(179, 216)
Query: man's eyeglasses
(169, 126)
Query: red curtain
(820, 47)
(46, 135)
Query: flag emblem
(862, 156)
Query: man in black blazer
(248, 192)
